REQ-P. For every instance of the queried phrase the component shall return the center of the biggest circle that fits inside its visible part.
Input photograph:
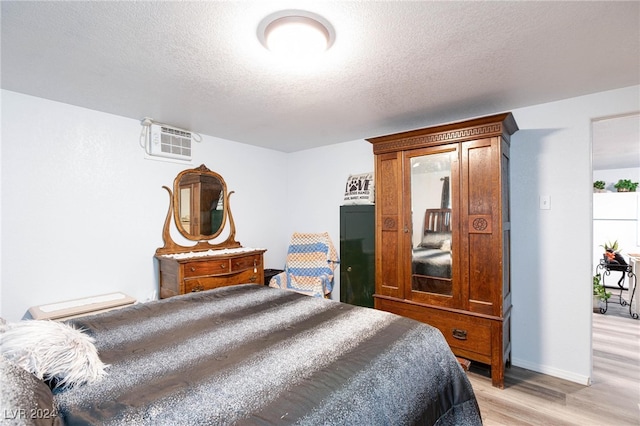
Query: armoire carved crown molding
(445, 133)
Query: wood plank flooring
(531, 398)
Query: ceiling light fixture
(296, 33)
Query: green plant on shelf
(625, 185)
(599, 184)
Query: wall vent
(169, 142)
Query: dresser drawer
(248, 262)
(209, 267)
(208, 283)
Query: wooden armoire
(454, 276)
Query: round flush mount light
(296, 33)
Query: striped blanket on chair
(311, 261)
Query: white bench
(80, 307)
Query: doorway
(615, 157)
(615, 215)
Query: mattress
(251, 354)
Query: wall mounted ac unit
(166, 141)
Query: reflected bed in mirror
(431, 257)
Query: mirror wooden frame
(202, 241)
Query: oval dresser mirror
(199, 206)
(199, 203)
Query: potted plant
(610, 250)
(598, 185)
(610, 246)
(600, 294)
(625, 185)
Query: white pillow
(52, 351)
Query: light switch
(545, 202)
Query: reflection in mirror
(185, 208)
(200, 196)
(200, 209)
(431, 215)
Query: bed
(250, 354)
(431, 258)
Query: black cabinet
(270, 273)
(357, 254)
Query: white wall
(552, 249)
(316, 182)
(49, 254)
(82, 210)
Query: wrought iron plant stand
(605, 268)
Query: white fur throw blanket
(52, 351)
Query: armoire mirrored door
(431, 176)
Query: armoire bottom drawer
(208, 283)
(464, 332)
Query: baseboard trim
(551, 371)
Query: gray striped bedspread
(251, 354)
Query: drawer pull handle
(223, 265)
(460, 334)
(193, 269)
(197, 289)
(253, 278)
(255, 266)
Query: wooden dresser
(461, 169)
(199, 208)
(191, 272)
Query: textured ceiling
(395, 66)
(616, 142)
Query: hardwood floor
(531, 398)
